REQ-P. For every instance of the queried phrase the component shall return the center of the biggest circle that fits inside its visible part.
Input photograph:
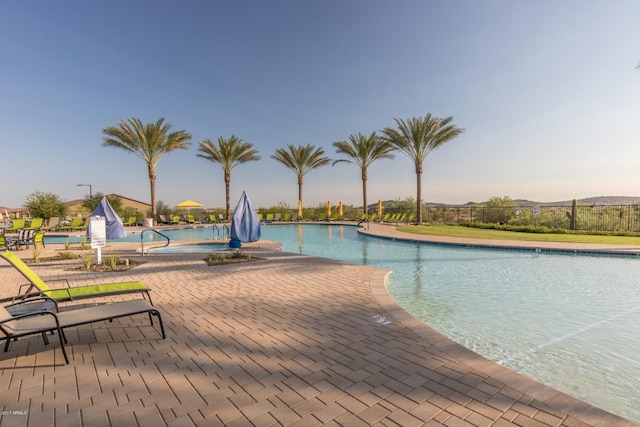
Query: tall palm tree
(364, 150)
(300, 160)
(417, 137)
(228, 154)
(149, 142)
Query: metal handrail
(217, 232)
(155, 231)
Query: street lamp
(87, 185)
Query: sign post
(98, 235)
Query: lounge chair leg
(63, 338)
(45, 339)
(157, 313)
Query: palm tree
(300, 160)
(364, 150)
(417, 137)
(149, 142)
(228, 154)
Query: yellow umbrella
(379, 208)
(189, 204)
(299, 210)
(340, 212)
(328, 209)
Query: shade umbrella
(379, 208)
(299, 210)
(189, 204)
(340, 212)
(328, 209)
(245, 224)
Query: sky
(546, 92)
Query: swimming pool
(570, 321)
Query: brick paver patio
(286, 340)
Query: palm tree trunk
(419, 193)
(300, 181)
(364, 191)
(152, 184)
(227, 189)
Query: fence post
(573, 223)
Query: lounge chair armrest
(21, 297)
(32, 305)
(32, 314)
(66, 281)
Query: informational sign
(98, 235)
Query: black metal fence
(611, 218)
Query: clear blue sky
(547, 92)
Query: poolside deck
(286, 340)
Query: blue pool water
(570, 321)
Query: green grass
(476, 233)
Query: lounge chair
(52, 224)
(130, 222)
(286, 217)
(37, 286)
(26, 322)
(16, 225)
(269, 217)
(76, 222)
(164, 220)
(36, 224)
(83, 226)
(192, 220)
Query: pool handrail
(155, 231)
(217, 232)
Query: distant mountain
(599, 200)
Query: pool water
(570, 321)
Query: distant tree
(417, 137)
(45, 205)
(228, 154)
(91, 202)
(362, 151)
(149, 142)
(499, 209)
(164, 209)
(301, 160)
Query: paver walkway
(286, 340)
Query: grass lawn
(476, 233)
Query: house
(75, 208)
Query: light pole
(87, 185)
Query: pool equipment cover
(245, 224)
(115, 229)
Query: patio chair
(16, 225)
(37, 286)
(27, 238)
(40, 322)
(7, 243)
